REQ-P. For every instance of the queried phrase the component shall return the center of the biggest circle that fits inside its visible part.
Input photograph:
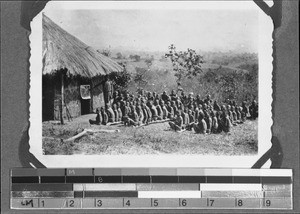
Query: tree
(120, 79)
(149, 61)
(105, 52)
(135, 57)
(185, 64)
(119, 55)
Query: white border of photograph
(264, 100)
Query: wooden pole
(62, 99)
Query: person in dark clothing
(201, 126)
(119, 111)
(110, 114)
(108, 91)
(253, 110)
(98, 119)
(214, 125)
(165, 97)
(104, 116)
(216, 106)
(145, 113)
(208, 100)
(153, 111)
(176, 125)
(173, 95)
(159, 111)
(133, 120)
(170, 110)
(245, 111)
(116, 113)
(208, 121)
(191, 123)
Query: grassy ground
(151, 139)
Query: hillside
(224, 76)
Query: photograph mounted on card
(150, 84)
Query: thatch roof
(62, 50)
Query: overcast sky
(155, 30)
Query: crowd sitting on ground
(184, 112)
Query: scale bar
(230, 187)
(169, 194)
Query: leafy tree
(135, 57)
(149, 61)
(120, 79)
(105, 52)
(185, 64)
(119, 55)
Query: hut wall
(47, 100)
(72, 100)
(98, 98)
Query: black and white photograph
(155, 80)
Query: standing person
(98, 119)
(253, 109)
(108, 90)
(176, 125)
(245, 111)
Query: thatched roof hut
(69, 66)
(61, 50)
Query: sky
(155, 30)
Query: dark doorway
(47, 99)
(85, 106)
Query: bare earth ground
(150, 139)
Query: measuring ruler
(151, 188)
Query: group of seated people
(185, 112)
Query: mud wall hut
(71, 72)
